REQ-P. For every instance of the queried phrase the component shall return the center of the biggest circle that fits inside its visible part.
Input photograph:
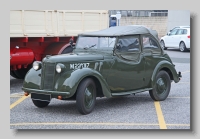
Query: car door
(128, 69)
(151, 52)
(177, 37)
(170, 38)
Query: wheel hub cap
(88, 97)
(161, 87)
(181, 47)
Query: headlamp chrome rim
(60, 68)
(37, 65)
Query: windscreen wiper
(89, 47)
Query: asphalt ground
(131, 112)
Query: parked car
(177, 38)
(177, 27)
(113, 62)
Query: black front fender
(32, 79)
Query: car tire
(182, 47)
(21, 73)
(161, 87)
(12, 73)
(40, 104)
(86, 96)
(162, 43)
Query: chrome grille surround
(48, 76)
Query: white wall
(158, 23)
(178, 18)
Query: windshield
(85, 42)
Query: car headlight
(37, 65)
(60, 67)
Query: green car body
(105, 71)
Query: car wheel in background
(12, 73)
(20, 73)
(162, 43)
(182, 47)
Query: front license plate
(42, 97)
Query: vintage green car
(113, 62)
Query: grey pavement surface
(177, 56)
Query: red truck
(37, 33)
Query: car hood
(73, 57)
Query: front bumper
(54, 94)
(187, 44)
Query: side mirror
(71, 41)
(168, 33)
(118, 46)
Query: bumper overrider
(179, 75)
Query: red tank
(21, 56)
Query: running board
(131, 92)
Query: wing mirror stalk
(71, 42)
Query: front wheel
(161, 87)
(86, 96)
(40, 104)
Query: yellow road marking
(108, 124)
(18, 101)
(160, 116)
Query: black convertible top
(122, 31)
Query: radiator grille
(48, 78)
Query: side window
(150, 44)
(185, 31)
(128, 44)
(179, 32)
(173, 32)
(106, 42)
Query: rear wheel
(12, 73)
(20, 73)
(163, 45)
(161, 87)
(86, 96)
(40, 104)
(182, 47)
